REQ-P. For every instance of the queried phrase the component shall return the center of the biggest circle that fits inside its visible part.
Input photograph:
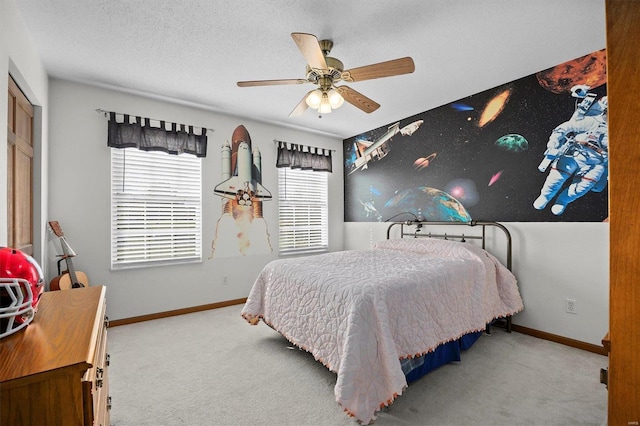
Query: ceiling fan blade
(301, 107)
(379, 70)
(357, 99)
(310, 48)
(271, 82)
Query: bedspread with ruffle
(360, 311)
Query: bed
(383, 317)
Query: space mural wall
(531, 150)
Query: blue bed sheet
(444, 354)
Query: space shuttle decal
(242, 192)
(241, 170)
(375, 150)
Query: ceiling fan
(325, 71)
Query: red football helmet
(21, 284)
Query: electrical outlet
(225, 279)
(570, 305)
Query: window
(156, 202)
(303, 211)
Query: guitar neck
(72, 271)
(69, 254)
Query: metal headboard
(419, 232)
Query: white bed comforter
(360, 312)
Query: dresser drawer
(96, 382)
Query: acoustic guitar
(70, 278)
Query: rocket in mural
(367, 151)
(242, 192)
(241, 170)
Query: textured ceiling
(195, 51)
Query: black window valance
(136, 132)
(304, 157)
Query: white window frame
(156, 208)
(303, 211)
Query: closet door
(20, 170)
(623, 86)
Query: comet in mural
(374, 150)
(494, 107)
(495, 178)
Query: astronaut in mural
(578, 148)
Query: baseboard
(175, 312)
(559, 339)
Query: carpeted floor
(212, 368)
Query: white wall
(79, 182)
(553, 262)
(19, 58)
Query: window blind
(303, 211)
(156, 202)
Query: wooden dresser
(55, 371)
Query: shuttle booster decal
(242, 193)
(244, 185)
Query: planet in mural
(429, 204)
(512, 142)
(590, 69)
(424, 162)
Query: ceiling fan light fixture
(323, 71)
(314, 99)
(325, 106)
(335, 99)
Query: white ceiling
(194, 51)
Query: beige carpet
(212, 368)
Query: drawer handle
(604, 376)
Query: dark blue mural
(531, 150)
